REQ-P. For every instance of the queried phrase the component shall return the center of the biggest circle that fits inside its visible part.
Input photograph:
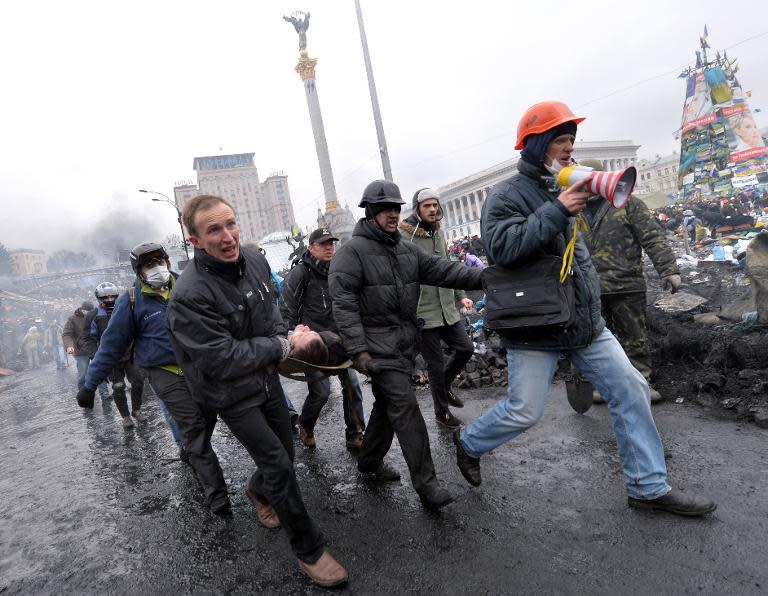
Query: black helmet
(381, 191)
(142, 250)
(86, 306)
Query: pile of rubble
(487, 367)
(709, 341)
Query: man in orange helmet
(524, 218)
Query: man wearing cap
(616, 239)
(438, 319)
(305, 300)
(375, 282)
(528, 216)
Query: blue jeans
(82, 368)
(607, 367)
(352, 400)
(169, 421)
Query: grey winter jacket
(521, 220)
(224, 326)
(374, 282)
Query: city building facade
(261, 207)
(463, 199)
(658, 175)
(26, 261)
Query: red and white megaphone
(615, 186)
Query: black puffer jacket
(224, 323)
(305, 298)
(522, 220)
(374, 283)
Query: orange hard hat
(541, 117)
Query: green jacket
(437, 306)
(616, 241)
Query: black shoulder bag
(537, 294)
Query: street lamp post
(167, 199)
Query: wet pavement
(91, 508)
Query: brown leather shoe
(307, 437)
(266, 514)
(326, 571)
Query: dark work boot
(447, 419)
(453, 400)
(469, 466)
(436, 498)
(221, 506)
(384, 472)
(677, 502)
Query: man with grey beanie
(438, 318)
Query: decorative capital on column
(306, 66)
(331, 205)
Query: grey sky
(102, 99)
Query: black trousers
(264, 429)
(396, 412)
(440, 374)
(196, 423)
(136, 378)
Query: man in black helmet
(139, 317)
(374, 282)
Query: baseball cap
(321, 235)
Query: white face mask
(555, 168)
(158, 276)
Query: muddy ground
(90, 508)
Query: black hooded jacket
(224, 327)
(374, 282)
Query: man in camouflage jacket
(616, 240)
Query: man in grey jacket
(523, 219)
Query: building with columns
(463, 199)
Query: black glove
(85, 397)
(360, 362)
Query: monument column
(339, 220)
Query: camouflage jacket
(617, 239)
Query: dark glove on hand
(672, 283)
(360, 362)
(85, 397)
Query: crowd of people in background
(713, 218)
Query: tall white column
(321, 145)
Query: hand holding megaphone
(574, 198)
(616, 186)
